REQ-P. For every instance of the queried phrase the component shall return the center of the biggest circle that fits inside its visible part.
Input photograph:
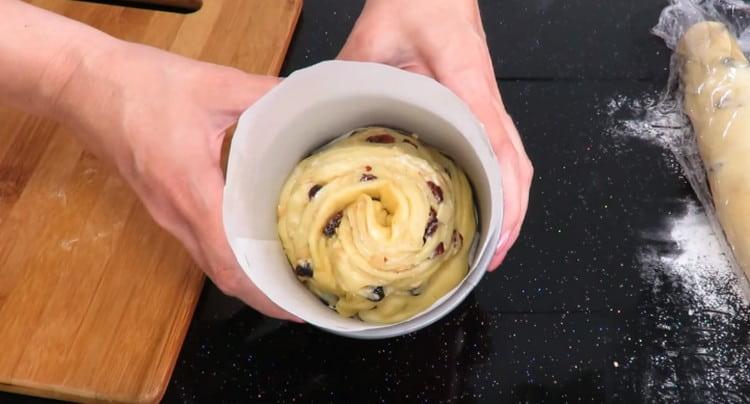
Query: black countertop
(568, 316)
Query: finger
(523, 168)
(205, 217)
(506, 242)
(418, 69)
(232, 91)
(511, 209)
(355, 49)
(497, 260)
(525, 177)
(166, 216)
(510, 129)
(485, 104)
(248, 293)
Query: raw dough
(378, 224)
(716, 82)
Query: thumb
(221, 263)
(232, 91)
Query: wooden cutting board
(95, 299)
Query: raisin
(384, 138)
(458, 239)
(368, 168)
(432, 225)
(411, 143)
(436, 191)
(377, 294)
(304, 270)
(333, 224)
(314, 190)
(439, 250)
(367, 177)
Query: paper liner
(309, 109)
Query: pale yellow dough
(355, 221)
(716, 81)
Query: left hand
(161, 120)
(444, 39)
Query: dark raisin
(377, 294)
(385, 259)
(304, 270)
(333, 224)
(367, 177)
(384, 138)
(439, 250)
(411, 143)
(436, 191)
(432, 225)
(314, 190)
(458, 239)
(415, 291)
(368, 168)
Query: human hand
(161, 119)
(444, 39)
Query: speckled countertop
(569, 316)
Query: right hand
(445, 40)
(161, 119)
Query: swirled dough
(716, 81)
(378, 224)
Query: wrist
(462, 7)
(40, 51)
(74, 77)
(423, 3)
(411, 15)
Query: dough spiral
(377, 224)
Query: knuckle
(527, 169)
(514, 221)
(505, 151)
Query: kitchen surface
(606, 296)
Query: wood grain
(95, 299)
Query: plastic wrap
(710, 84)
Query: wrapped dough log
(716, 84)
(378, 224)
